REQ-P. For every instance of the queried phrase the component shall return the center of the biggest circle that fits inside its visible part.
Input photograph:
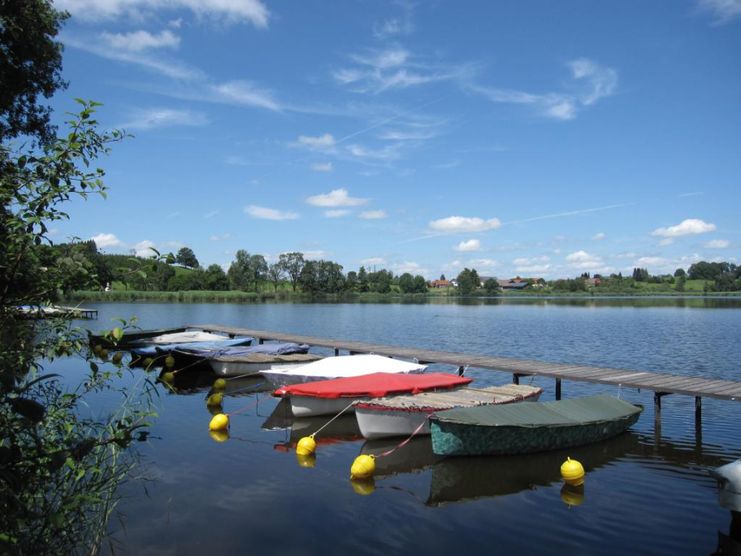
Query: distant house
(440, 284)
(591, 282)
(513, 284)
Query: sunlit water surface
(647, 492)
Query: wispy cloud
(373, 215)
(462, 224)
(246, 93)
(265, 213)
(322, 167)
(718, 244)
(227, 11)
(377, 71)
(104, 240)
(533, 265)
(335, 198)
(144, 248)
(723, 10)
(600, 82)
(370, 261)
(570, 213)
(690, 226)
(151, 118)
(323, 142)
(598, 236)
(336, 213)
(582, 260)
(137, 41)
(222, 237)
(410, 267)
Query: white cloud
(689, 226)
(245, 93)
(152, 118)
(335, 198)
(211, 214)
(144, 249)
(373, 261)
(322, 167)
(373, 215)
(106, 240)
(724, 10)
(483, 265)
(718, 244)
(315, 255)
(411, 267)
(317, 143)
(601, 81)
(469, 245)
(585, 261)
(644, 262)
(463, 224)
(137, 41)
(336, 213)
(598, 236)
(666, 241)
(222, 237)
(268, 213)
(387, 153)
(229, 11)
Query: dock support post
(461, 370)
(260, 341)
(515, 378)
(698, 409)
(336, 351)
(558, 388)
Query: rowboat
(329, 397)
(405, 415)
(729, 485)
(241, 361)
(341, 366)
(527, 428)
(214, 342)
(129, 337)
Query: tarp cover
(279, 348)
(202, 346)
(592, 409)
(374, 385)
(342, 366)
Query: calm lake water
(646, 492)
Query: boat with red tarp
(329, 397)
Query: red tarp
(374, 385)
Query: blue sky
(519, 138)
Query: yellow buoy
(117, 358)
(215, 399)
(219, 422)
(572, 495)
(306, 460)
(219, 384)
(364, 487)
(572, 472)
(148, 362)
(219, 436)
(168, 377)
(363, 467)
(169, 361)
(306, 446)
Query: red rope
(404, 443)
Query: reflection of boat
(342, 366)
(203, 381)
(729, 485)
(329, 397)
(414, 456)
(342, 429)
(527, 428)
(460, 479)
(404, 415)
(253, 359)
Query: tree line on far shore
(84, 267)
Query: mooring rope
(404, 442)
(332, 419)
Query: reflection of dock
(659, 383)
(55, 311)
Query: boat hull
(380, 423)
(454, 439)
(307, 406)
(225, 368)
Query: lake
(646, 492)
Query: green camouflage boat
(529, 427)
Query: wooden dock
(660, 384)
(55, 311)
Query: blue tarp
(210, 346)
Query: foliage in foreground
(59, 469)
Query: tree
(30, 67)
(363, 280)
(492, 286)
(186, 257)
(258, 270)
(468, 281)
(641, 275)
(406, 283)
(351, 282)
(215, 278)
(420, 284)
(275, 274)
(679, 272)
(239, 271)
(442, 277)
(292, 264)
